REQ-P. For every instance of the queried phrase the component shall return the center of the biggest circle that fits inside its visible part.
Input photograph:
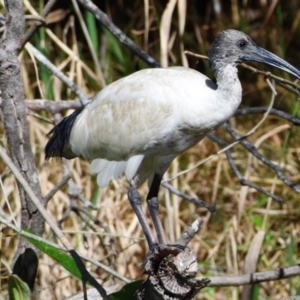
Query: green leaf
(257, 220)
(269, 238)
(255, 292)
(63, 259)
(210, 291)
(127, 291)
(18, 289)
(93, 30)
(263, 199)
(298, 291)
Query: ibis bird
(139, 124)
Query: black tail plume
(60, 136)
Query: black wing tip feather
(60, 136)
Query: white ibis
(140, 123)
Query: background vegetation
(111, 233)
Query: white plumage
(140, 123)
(147, 119)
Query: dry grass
(243, 215)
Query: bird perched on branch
(139, 124)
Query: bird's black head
(233, 47)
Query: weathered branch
(172, 270)
(275, 112)
(237, 173)
(280, 273)
(57, 188)
(189, 233)
(14, 115)
(54, 107)
(196, 201)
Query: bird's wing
(134, 117)
(131, 114)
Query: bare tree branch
(14, 115)
(281, 273)
(196, 201)
(172, 270)
(189, 233)
(275, 112)
(57, 188)
(54, 107)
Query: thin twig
(270, 75)
(189, 233)
(106, 22)
(36, 18)
(89, 220)
(252, 149)
(55, 71)
(57, 188)
(237, 173)
(275, 112)
(109, 234)
(53, 107)
(86, 203)
(280, 273)
(37, 24)
(196, 201)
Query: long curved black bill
(266, 57)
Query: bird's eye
(242, 44)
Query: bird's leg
(153, 204)
(135, 201)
